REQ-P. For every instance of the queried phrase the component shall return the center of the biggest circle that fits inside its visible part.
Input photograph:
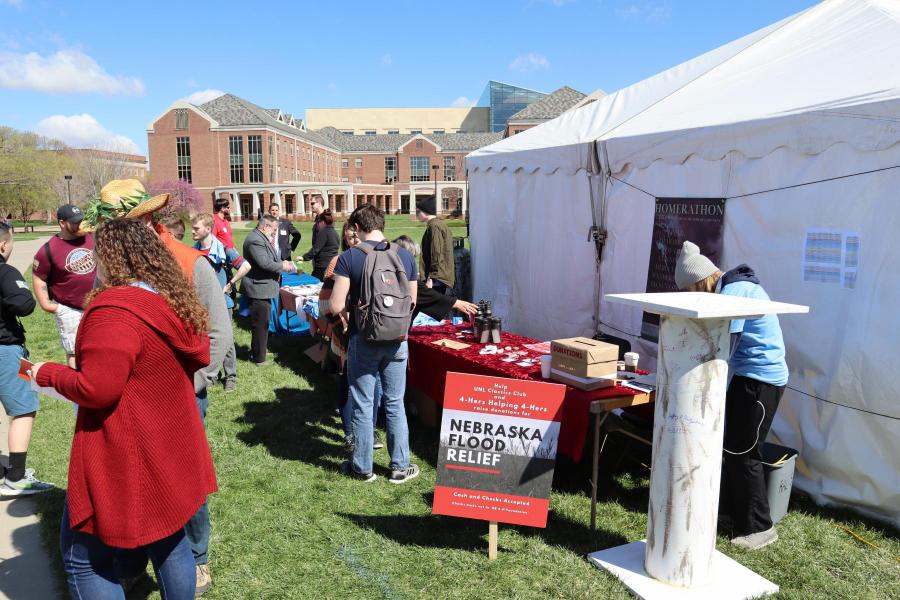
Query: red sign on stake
(498, 449)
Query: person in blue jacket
(759, 375)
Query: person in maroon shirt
(222, 228)
(63, 274)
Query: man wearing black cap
(438, 269)
(63, 274)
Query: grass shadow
(297, 425)
(452, 533)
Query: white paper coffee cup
(631, 361)
(545, 366)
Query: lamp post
(435, 169)
(68, 188)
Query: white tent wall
(845, 350)
(530, 251)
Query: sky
(95, 74)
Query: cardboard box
(588, 384)
(584, 357)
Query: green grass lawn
(286, 524)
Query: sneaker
(26, 486)
(230, 385)
(347, 469)
(404, 475)
(378, 444)
(204, 581)
(755, 541)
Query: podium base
(731, 580)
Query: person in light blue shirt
(759, 374)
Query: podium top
(701, 305)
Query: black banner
(699, 220)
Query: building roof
(550, 107)
(390, 142)
(231, 111)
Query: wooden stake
(492, 540)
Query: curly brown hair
(128, 251)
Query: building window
(359, 179)
(254, 158)
(415, 131)
(419, 168)
(358, 163)
(445, 203)
(393, 131)
(271, 159)
(370, 132)
(345, 163)
(347, 131)
(419, 144)
(236, 158)
(438, 131)
(345, 180)
(449, 168)
(181, 119)
(183, 152)
(390, 169)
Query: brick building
(549, 107)
(229, 147)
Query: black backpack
(384, 309)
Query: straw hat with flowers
(121, 198)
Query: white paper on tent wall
(831, 257)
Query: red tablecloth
(429, 364)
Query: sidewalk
(24, 561)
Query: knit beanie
(691, 266)
(427, 205)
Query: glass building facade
(505, 100)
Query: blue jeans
(366, 365)
(346, 406)
(16, 395)
(197, 529)
(93, 568)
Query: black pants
(259, 324)
(750, 406)
(319, 273)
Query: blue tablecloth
(286, 323)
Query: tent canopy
(838, 58)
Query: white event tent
(798, 127)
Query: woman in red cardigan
(140, 465)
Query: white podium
(679, 557)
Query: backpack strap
(50, 272)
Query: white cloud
(387, 60)
(529, 62)
(67, 71)
(84, 131)
(462, 102)
(203, 96)
(652, 12)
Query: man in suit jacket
(288, 237)
(260, 285)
